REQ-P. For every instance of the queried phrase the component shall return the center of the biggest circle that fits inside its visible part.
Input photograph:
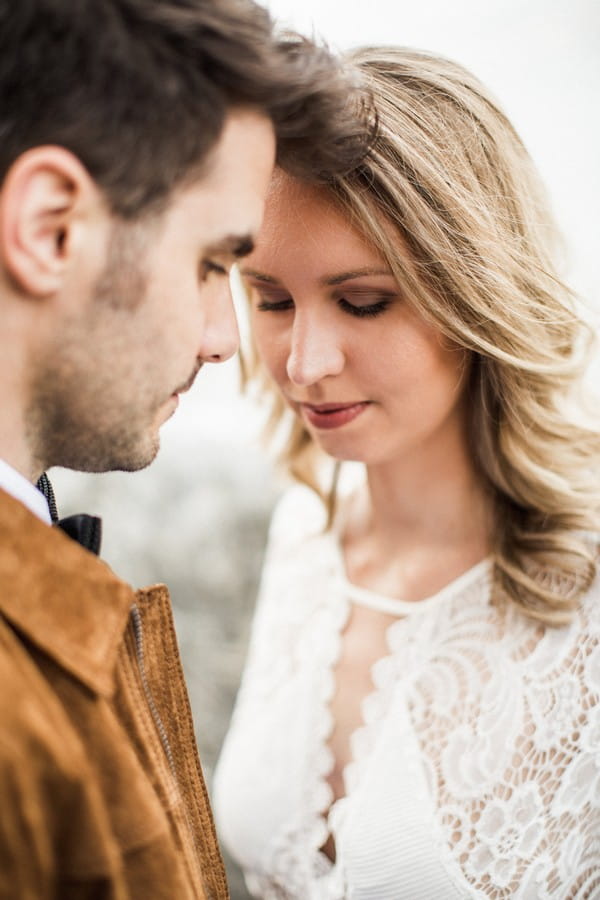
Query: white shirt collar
(23, 490)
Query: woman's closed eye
(275, 304)
(378, 305)
(360, 310)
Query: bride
(419, 717)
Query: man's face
(160, 308)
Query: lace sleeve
(509, 722)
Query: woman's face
(371, 380)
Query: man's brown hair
(139, 89)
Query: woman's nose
(315, 351)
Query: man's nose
(315, 350)
(220, 337)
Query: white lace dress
(476, 772)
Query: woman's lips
(332, 415)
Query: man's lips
(332, 415)
(187, 385)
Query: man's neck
(19, 487)
(15, 448)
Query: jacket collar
(62, 598)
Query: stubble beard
(88, 411)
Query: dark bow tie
(86, 530)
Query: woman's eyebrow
(354, 273)
(338, 278)
(258, 276)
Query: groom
(137, 138)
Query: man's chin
(140, 460)
(132, 458)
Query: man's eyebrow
(233, 245)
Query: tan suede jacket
(101, 792)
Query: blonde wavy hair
(449, 172)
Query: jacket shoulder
(34, 726)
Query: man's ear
(46, 199)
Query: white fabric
(476, 772)
(23, 490)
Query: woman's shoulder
(298, 558)
(299, 515)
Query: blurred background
(197, 518)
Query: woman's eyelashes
(265, 305)
(359, 310)
(364, 310)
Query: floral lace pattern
(502, 715)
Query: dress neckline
(394, 605)
(328, 813)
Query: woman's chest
(363, 642)
(406, 743)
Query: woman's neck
(420, 522)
